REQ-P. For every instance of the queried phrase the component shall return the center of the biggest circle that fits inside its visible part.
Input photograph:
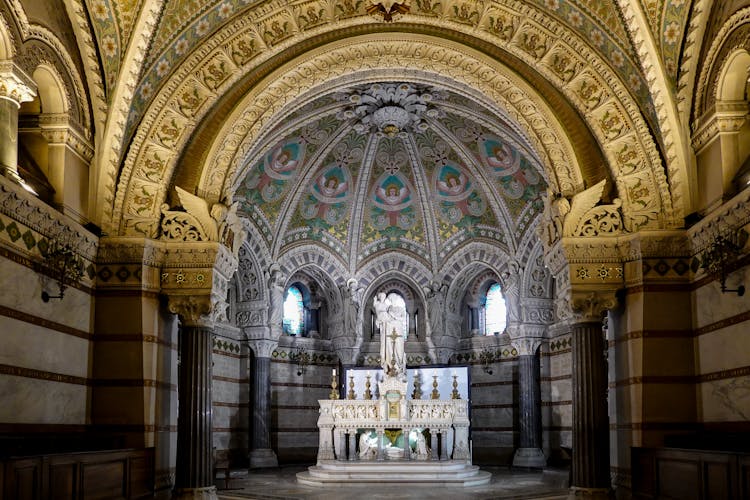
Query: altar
(396, 437)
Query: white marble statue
(390, 319)
(422, 451)
(367, 448)
(276, 281)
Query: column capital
(590, 306)
(526, 346)
(262, 348)
(15, 84)
(193, 310)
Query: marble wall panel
(34, 401)
(31, 346)
(723, 349)
(561, 390)
(668, 402)
(227, 392)
(670, 356)
(725, 400)
(297, 439)
(492, 417)
(298, 395)
(666, 311)
(74, 310)
(484, 439)
(712, 306)
(118, 360)
(500, 394)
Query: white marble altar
(394, 439)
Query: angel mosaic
(517, 178)
(328, 195)
(456, 194)
(269, 179)
(392, 198)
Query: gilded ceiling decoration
(392, 166)
(185, 24)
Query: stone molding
(30, 211)
(15, 85)
(57, 129)
(731, 216)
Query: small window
(494, 310)
(294, 312)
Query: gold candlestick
(334, 387)
(435, 393)
(350, 394)
(368, 393)
(455, 394)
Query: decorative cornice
(15, 85)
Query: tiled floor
(506, 483)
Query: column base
(529, 457)
(576, 493)
(263, 458)
(205, 493)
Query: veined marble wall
(294, 403)
(45, 350)
(722, 352)
(231, 396)
(555, 360)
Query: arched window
(294, 312)
(494, 311)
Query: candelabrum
(368, 393)
(486, 358)
(455, 394)
(350, 394)
(64, 266)
(417, 394)
(334, 387)
(435, 394)
(720, 258)
(302, 358)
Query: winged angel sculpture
(580, 216)
(200, 223)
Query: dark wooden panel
(678, 479)
(141, 476)
(104, 480)
(62, 481)
(717, 480)
(25, 479)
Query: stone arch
(731, 84)
(612, 115)
(411, 269)
(7, 44)
(51, 90)
(314, 255)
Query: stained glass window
(294, 312)
(494, 310)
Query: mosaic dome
(392, 167)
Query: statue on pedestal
(390, 319)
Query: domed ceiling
(392, 166)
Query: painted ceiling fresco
(392, 166)
(184, 24)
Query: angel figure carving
(199, 222)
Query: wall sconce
(721, 256)
(64, 266)
(301, 357)
(486, 358)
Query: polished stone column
(261, 454)
(15, 87)
(433, 444)
(444, 445)
(530, 406)
(352, 444)
(380, 445)
(590, 475)
(194, 477)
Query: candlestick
(350, 394)
(334, 372)
(334, 384)
(455, 394)
(435, 394)
(368, 394)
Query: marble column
(590, 474)
(194, 476)
(352, 444)
(530, 406)
(15, 87)
(261, 454)
(433, 444)
(380, 445)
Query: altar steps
(332, 473)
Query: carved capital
(193, 310)
(15, 84)
(730, 115)
(590, 306)
(526, 346)
(262, 348)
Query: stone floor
(281, 483)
